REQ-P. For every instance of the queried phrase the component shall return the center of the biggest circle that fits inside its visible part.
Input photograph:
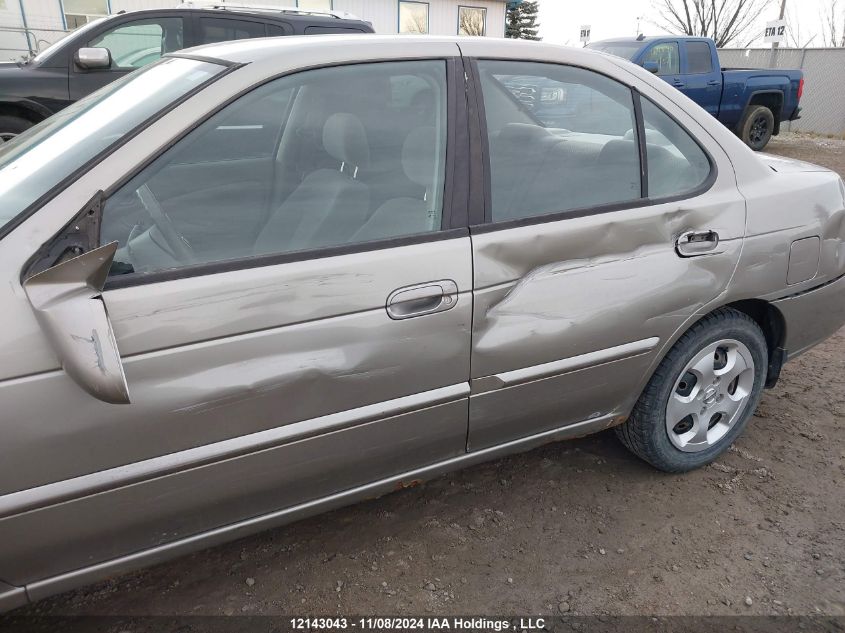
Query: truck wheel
(11, 126)
(702, 394)
(757, 127)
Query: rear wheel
(757, 127)
(11, 126)
(702, 394)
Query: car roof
(368, 45)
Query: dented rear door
(577, 292)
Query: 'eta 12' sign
(585, 33)
(775, 32)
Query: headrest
(419, 155)
(523, 133)
(619, 151)
(345, 139)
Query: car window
(325, 157)
(676, 163)
(213, 30)
(136, 44)
(560, 138)
(36, 162)
(699, 59)
(667, 57)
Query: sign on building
(775, 32)
(585, 33)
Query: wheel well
(773, 101)
(11, 109)
(771, 321)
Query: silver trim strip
(573, 363)
(56, 492)
(43, 588)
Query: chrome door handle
(427, 298)
(694, 243)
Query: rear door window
(699, 59)
(560, 138)
(214, 30)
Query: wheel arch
(773, 324)
(772, 99)
(24, 110)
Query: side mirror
(70, 310)
(651, 67)
(93, 58)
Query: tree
(722, 20)
(833, 33)
(471, 21)
(522, 20)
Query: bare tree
(471, 21)
(722, 20)
(833, 33)
(415, 21)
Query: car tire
(757, 127)
(655, 430)
(11, 126)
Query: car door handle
(713, 82)
(422, 299)
(678, 84)
(694, 243)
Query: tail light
(800, 88)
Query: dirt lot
(579, 527)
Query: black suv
(99, 52)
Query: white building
(31, 25)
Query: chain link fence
(823, 102)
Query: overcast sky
(561, 19)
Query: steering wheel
(176, 241)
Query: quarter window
(138, 43)
(699, 59)
(667, 57)
(472, 21)
(326, 157)
(676, 163)
(560, 138)
(413, 17)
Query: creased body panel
(151, 513)
(278, 345)
(558, 290)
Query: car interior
(322, 158)
(566, 140)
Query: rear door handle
(713, 82)
(678, 84)
(422, 299)
(694, 243)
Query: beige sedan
(262, 279)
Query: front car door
(293, 319)
(667, 56)
(580, 281)
(133, 43)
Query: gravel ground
(580, 527)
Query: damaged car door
(608, 226)
(292, 319)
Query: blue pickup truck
(752, 103)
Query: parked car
(106, 49)
(257, 280)
(752, 103)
